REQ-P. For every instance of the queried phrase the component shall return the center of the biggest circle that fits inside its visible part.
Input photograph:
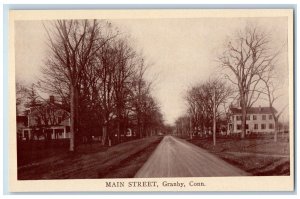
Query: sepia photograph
(152, 100)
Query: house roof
(55, 105)
(254, 110)
(47, 103)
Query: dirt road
(175, 157)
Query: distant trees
(182, 126)
(202, 100)
(270, 90)
(247, 57)
(21, 94)
(99, 79)
(142, 103)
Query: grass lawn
(95, 161)
(259, 156)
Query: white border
(253, 183)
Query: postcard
(145, 100)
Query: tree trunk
(214, 129)
(140, 131)
(244, 115)
(275, 129)
(77, 119)
(214, 118)
(118, 130)
(104, 134)
(139, 128)
(73, 118)
(191, 129)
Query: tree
(72, 45)
(197, 108)
(247, 56)
(93, 70)
(151, 117)
(141, 98)
(271, 91)
(33, 98)
(182, 125)
(105, 70)
(218, 93)
(204, 102)
(124, 70)
(21, 93)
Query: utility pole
(214, 117)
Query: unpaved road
(175, 157)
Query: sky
(180, 52)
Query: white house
(46, 120)
(258, 120)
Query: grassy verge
(258, 156)
(127, 168)
(122, 160)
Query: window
(254, 117)
(248, 117)
(59, 119)
(247, 126)
(255, 126)
(238, 117)
(26, 133)
(270, 117)
(271, 126)
(39, 121)
(26, 122)
(264, 117)
(238, 127)
(263, 126)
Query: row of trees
(206, 104)
(99, 79)
(248, 64)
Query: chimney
(51, 99)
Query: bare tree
(196, 108)
(248, 56)
(271, 91)
(124, 70)
(182, 125)
(72, 45)
(218, 93)
(140, 96)
(95, 71)
(106, 62)
(21, 93)
(204, 102)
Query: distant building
(45, 120)
(258, 120)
